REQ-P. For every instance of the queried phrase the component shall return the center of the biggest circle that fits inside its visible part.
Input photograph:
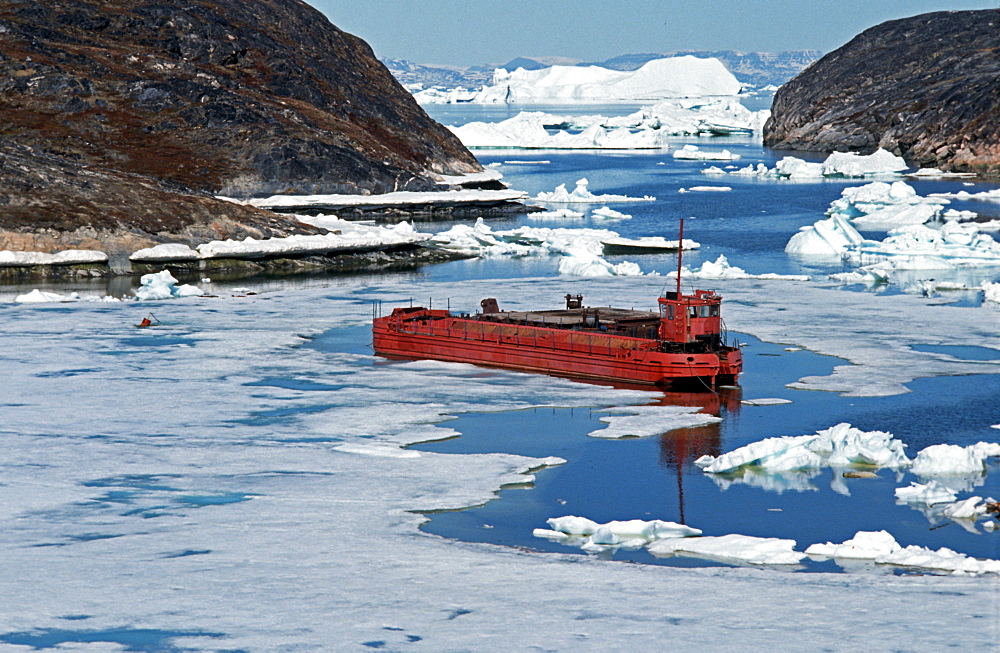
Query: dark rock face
(131, 114)
(926, 88)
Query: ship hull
(589, 356)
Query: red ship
(683, 342)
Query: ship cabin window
(714, 312)
(670, 311)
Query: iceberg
(163, 285)
(839, 446)
(674, 77)
(829, 238)
(951, 459)
(582, 195)
(880, 206)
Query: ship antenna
(680, 249)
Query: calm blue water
(654, 478)
(651, 478)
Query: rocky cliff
(926, 88)
(127, 116)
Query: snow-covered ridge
(10, 258)
(347, 237)
(383, 200)
(673, 77)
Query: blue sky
(468, 32)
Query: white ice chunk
(721, 269)
(951, 459)
(580, 262)
(608, 213)
(163, 285)
(991, 292)
(865, 545)
(928, 494)
(838, 446)
(559, 214)
(733, 549)
(37, 296)
(694, 153)
(645, 421)
(582, 195)
(595, 538)
(572, 525)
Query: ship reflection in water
(679, 448)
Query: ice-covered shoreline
(339, 521)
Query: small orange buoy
(145, 322)
(149, 320)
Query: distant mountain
(412, 74)
(753, 68)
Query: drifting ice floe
(608, 213)
(721, 269)
(645, 421)
(582, 195)
(598, 538)
(674, 77)
(37, 296)
(705, 189)
(732, 549)
(162, 285)
(693, 153)
(560, 214)
(882, 548)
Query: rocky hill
(125, 117)
(925, 88)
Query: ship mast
(680, 249)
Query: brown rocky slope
(121, 119)
(926, 88)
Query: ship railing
(521, 335)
